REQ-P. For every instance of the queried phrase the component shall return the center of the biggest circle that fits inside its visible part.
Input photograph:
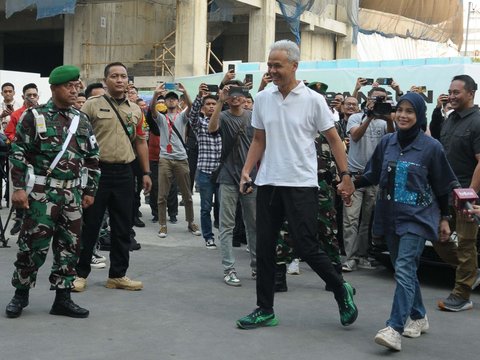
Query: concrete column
(315, 47)
(345, 48)
(261, 31)
(191, 38)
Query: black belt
(105, 165)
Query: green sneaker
(346, 306)
(256, 319)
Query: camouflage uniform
(53, 212)
(326, 220)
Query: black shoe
(64, 305)
(139, 214)
(236, 244)
(138, 223)
(155, 219)
(16, 227)
(173, 219)
(16, 305)
(182, 203)
(215, 224)
(135, 246)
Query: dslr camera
(380, 107)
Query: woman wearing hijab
(414, 179)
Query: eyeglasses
(350, 105)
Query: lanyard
(171, 124)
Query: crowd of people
(303, 174)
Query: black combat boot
(281, 278)
(18, 302)
(63, 305)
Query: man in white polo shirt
(287, 118)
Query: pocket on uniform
(417, 178)
(82, 138)
(51, 141)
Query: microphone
(464, 199)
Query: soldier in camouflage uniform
(326, 221)
(53, 209)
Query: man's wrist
(345, 173)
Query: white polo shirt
(291, 125)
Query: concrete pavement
(186, 312)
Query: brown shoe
(79, 284)
(194, 229)
(123, 283)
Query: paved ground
(186, 312)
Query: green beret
(63, 74)
(318, 87)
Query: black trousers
(299, 206)
(115, 194)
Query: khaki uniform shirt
(115, 146)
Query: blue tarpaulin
(45, 8)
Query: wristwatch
(343, 173)
(147, 173)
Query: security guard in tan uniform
(116, 122)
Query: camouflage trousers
(326, 233)
(327, 222)
(54, 215)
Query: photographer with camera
(365, 131)
(439, 114)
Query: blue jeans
(405, 256)
(207, 190)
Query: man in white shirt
(287, 118)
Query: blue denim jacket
(409, 180)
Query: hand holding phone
(384, 81)
(171, 86)
(212, 88)
(248, 187)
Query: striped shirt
(209, 145)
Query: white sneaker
(231, 278)
(294, 267)
(96, 263)
(210, 244)
(163, 231)
(194, 229)
(364, 263)
(390, 338)
(99, 257)
(349, 265)
(415, 328)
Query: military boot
(281, 278)
(64, 305)
(18, 302)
